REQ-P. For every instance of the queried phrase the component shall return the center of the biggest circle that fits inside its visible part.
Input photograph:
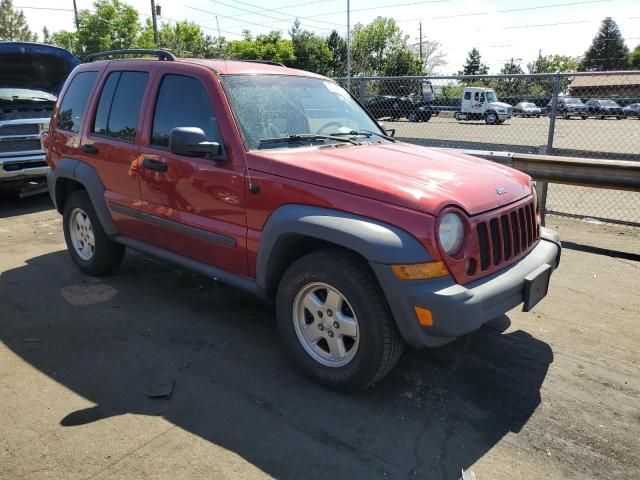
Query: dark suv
(278, 182)
(605, 108)
(569, 107)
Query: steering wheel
(326, 126)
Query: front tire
(334, 321)
(87, 242)
(491, 118)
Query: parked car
(394, 108)
(31, 76)
(389, 106)
(632, 110)
(276, 181)
(604, 108)
(527, 109)
(482, 104)
(568, 107)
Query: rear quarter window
(119, 106)
(73, 105)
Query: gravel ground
(549, 394)
(615, 138)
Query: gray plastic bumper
(460, 309)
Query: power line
(512, 10)
(44, 8)
(379, 7)
(547, 24)
(262, 9)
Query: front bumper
(460, 309)
(23, 167)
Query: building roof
(614, 80)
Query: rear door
(194, 205)
(112, 141)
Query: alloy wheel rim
(326, 324)
(82, 234)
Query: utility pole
(75, 12)
(155, 22)
(348, 46)
(218, 25)
(420, 40)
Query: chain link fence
(589, 115)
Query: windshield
(527, 105)
(491, 96)
(573, 101)
(276, 106)
(608, 103)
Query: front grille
(17, 166)
(11, 146)
(20, 129)
(506, 236)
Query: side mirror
(192, 142)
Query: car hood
(424, 179)
(34, 66)
(500, 105)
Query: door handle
(156, 165)
(88, 148)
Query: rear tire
(350, 340)
(87, 242)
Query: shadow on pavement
(110, 340)
(11, 205)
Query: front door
(194, 206)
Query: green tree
(380, 48)
(608, 50)
(507, 87)
(184, 39)
(311, 51)
(264, 47)
(114, 25)
(634, 58)
(338, 48)
(474, 65)
(553, 63)
(13, 24)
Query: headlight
(451, 233)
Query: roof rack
(161, 54)
(266, 62)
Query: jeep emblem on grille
(501, 191)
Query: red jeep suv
(277, 181)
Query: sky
(500, 29)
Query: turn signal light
(420, 271)
(424, 316)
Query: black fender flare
(88, 177)
(376, 241)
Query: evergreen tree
(338, 48)
(608, 50)
(13, 24)
(474, 65)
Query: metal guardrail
(584, 172)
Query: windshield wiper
(302, 137)
(365, 133)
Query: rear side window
(119, 107)
(183, 102)
(467, 95)
(74, 102)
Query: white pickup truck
(482, 104)
(31, 77)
